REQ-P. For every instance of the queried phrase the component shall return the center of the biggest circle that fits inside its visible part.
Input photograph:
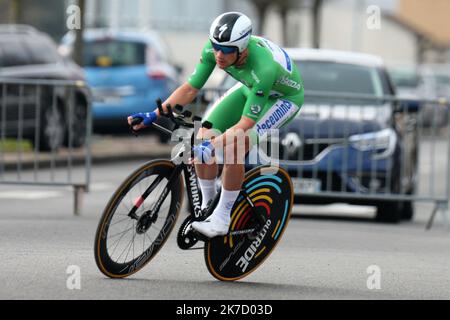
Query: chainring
(186, 238)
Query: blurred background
(130, 53)
(374, 131)
(411, 32)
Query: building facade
(185, 24)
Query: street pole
(78, 46)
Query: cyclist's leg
(224, 114)
(277, 113)
(227, 111)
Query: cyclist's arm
(186, 93)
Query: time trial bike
(141, 214)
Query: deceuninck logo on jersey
(255, 109)
(276, 116)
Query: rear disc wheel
(236, 255)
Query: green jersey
(268, 72)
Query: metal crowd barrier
(45, 131)
(366, 149)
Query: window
(404, 79)
(340, 78)
(114, 53)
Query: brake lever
(170, 112)
(160, 108)
(136, 121)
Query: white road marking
(27, 194)
(102, 186)
(30, 195)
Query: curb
(103, 151)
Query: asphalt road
(319, 257)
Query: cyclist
(268, 96)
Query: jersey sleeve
(259, 94)
(204, 68)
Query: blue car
(127, 72)
(348, 144)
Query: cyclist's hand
(147, 119)
(204, 152)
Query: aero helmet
(231, 29)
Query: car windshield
(13, 54)
(443, 80)
(340, 78)
(404, 79)
(41, 52)
(22, 51)
(114, 53)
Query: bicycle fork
(151, 215)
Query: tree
(261, 7)
(283, 6)
(15, 11)
(316, 21)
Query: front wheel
(53, 128)
(236, 255)
(76, 127)
(125, 240)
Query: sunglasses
(224, 49)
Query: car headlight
(376, 141)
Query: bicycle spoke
(153, 226)
(124, 219)
(143, 244)
(151, 241)
(130, 245)
(123, 252)
(117, 234)
(117, 244)
(118, 241)
(134, 237)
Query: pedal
(200, 236)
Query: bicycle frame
(191, 184)
(190, 177)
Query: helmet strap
(238, 58)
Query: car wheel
(388, 212)
(407, 212)
(78, 127)
(53, 129)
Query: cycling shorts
(277, 112)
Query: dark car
(345, 146)
(27, 54)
